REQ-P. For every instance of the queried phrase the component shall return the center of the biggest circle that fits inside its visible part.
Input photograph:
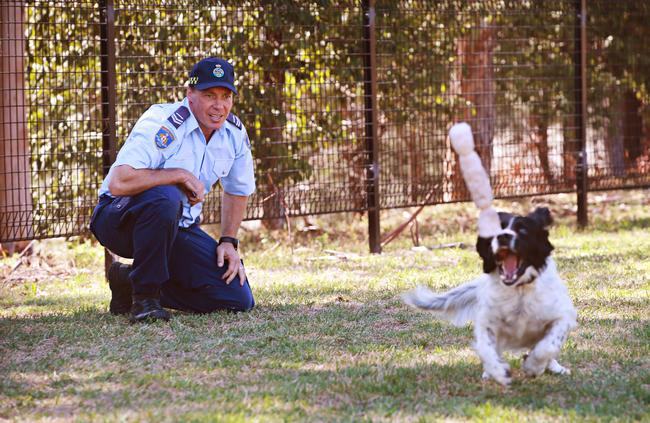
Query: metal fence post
(109, 94)
(580, 63)
(371, 135)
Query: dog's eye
(523, 231)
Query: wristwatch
(233, 241)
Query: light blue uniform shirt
(163, 138)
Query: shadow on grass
(346, 360)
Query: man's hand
(226, 251)
(192, 187)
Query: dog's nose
(504, 239)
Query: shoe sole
(149, 317)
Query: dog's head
(520, 250)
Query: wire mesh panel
(51, 121)
(504, 67)
(76, 76)
(618, 147)
(300, 77)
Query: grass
(329, 339)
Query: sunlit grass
(329, 339)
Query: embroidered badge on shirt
(164, 137)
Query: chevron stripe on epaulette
(234, 120)
(179, 116)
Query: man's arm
(125, 180)
(233, 208)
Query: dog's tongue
(510, 264)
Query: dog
(518, 304)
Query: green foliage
(300, 70)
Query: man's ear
(542, 215)
(484, 249)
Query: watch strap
(229, 239)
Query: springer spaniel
(519, 304)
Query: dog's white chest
(519, 323)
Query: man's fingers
(219, 257)
(242, 275)
(232, 271)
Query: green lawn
(329, 339)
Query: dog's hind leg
(555, 368)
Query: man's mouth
(215, 118)
(509, 265)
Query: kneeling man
(150, 204)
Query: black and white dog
(518, 304)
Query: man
(151, 200)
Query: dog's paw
(557, 369)
(502, 375)
(533, 367)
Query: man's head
(210, 92)
(212, 72)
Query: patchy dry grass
(329, 339)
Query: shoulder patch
(234, 120)
(164, 137)
(179, 116)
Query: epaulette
(234, 120)
(179, 116)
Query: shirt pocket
(186, 163)
(221, 168)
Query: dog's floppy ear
(543, 247)
(484, 249)
(542, 215)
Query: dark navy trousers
(178, 263)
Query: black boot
(148, 309)
(120, 284)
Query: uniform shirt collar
(191, 122)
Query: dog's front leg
(544, 353)
(486, 348)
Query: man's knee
(238, 299)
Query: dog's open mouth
(509, 264)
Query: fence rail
(347, 103)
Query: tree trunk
(478, 87)
(570, 147)
(271, 132)
(16, 206)
(539, 134)
(632, 127)
(614, 141)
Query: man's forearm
(233, 208)
(126, 180)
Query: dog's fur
(518, 304)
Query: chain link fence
(347, 103)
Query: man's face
(210, 107)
